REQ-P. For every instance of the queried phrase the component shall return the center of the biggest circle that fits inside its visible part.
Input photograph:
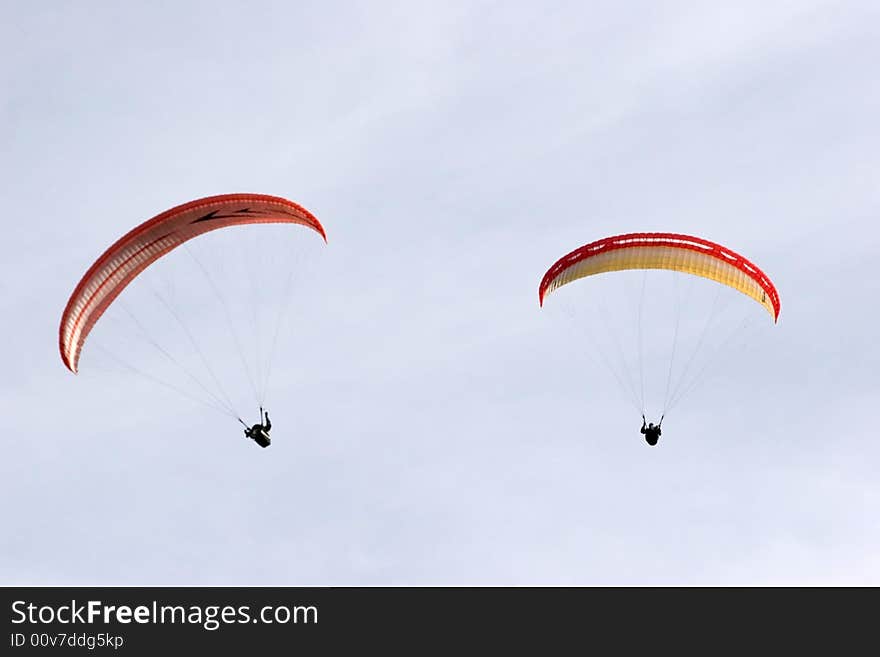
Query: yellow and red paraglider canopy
(672, 251)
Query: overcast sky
(433, 424)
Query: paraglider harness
(259, 433)
(652, 434)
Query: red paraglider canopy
(145, 244)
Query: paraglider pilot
(259, 433)
(652, 433)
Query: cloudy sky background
(433, 425)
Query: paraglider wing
(684, 253)
(144, 245)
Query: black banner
(150, 620)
